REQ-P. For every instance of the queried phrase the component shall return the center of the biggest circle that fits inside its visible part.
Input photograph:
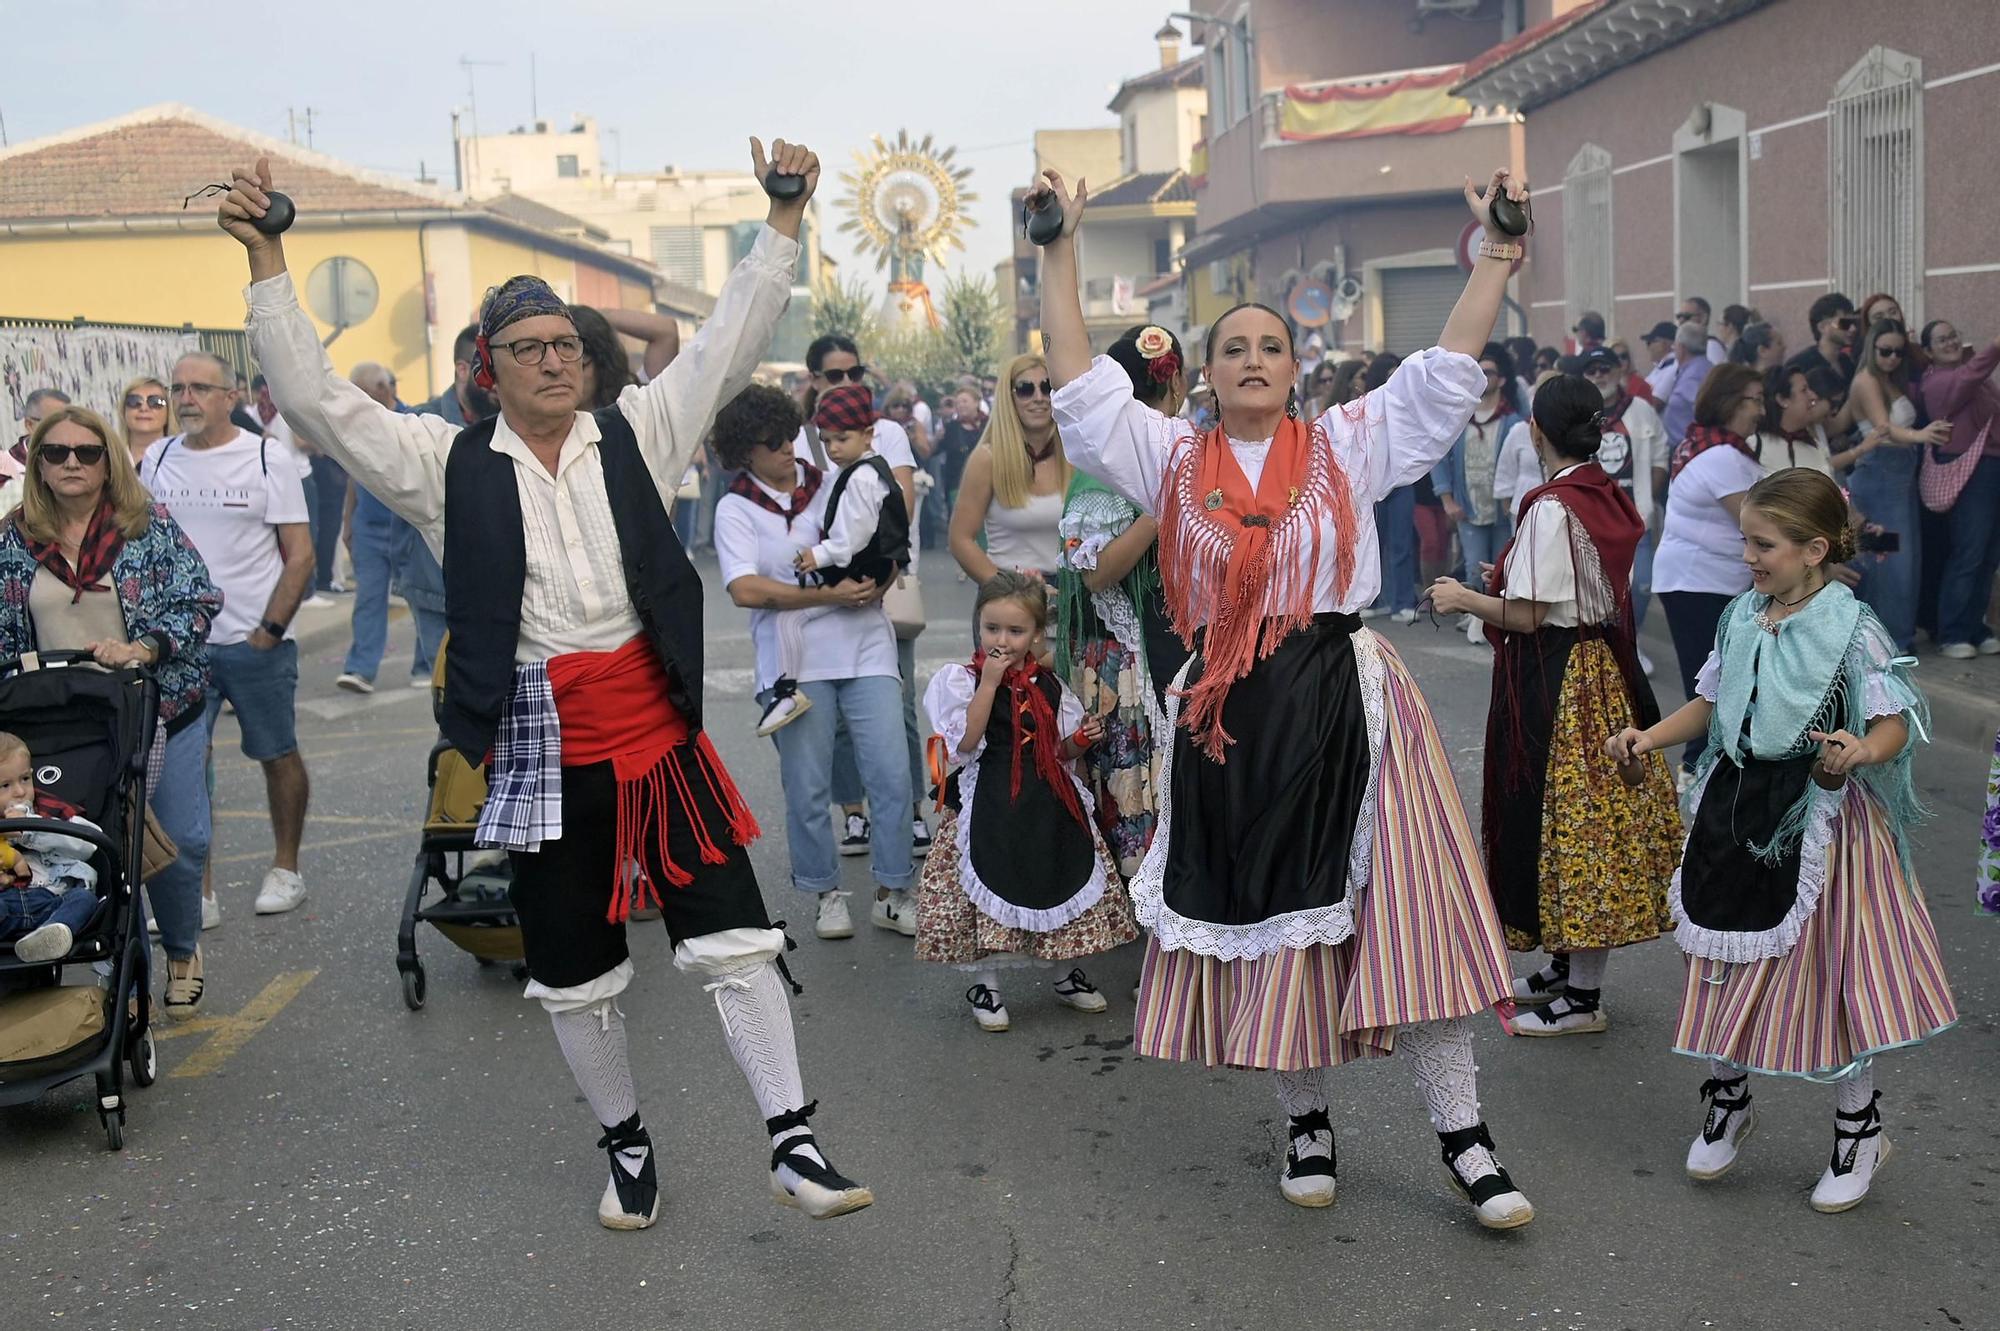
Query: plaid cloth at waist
(524, 779)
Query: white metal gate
(1415, 304)
(1875, 180)
(1586, 207)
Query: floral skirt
(1120, 769)
(1865, 976)
(953, 931)
(1988, 875)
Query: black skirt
(1528, 673)
(1268, 831)
(1027, 848)
(1724, 886)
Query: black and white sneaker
(1308, 1177)
(854, 835)
(801, 1175)
(920, 837)
(1478, 1177)
(632, 1196)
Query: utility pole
(468, 64)
(534, 103)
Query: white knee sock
(1722, 1071)
(1586, 967)
(757, 1021)
(1301, 1092)
(593, 1043)
(1854, 1093)
(1441, 1056)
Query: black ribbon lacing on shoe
(1077, 982)
(983, 998)
(626, 1136)
(1487, 1186)
(804, 1166)
(1303, 1127)
(1850, 1142)
(1716, 1125)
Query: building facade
(1760, 152)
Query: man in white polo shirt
(239, 499)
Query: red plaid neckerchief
(99, 550)
(1701, 438)
(802, 494)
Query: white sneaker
(354, 683)
(152, 920)
(51, 942)
(1075, 991)
(986, 1008)
(1645, 663)
(1403, 617)
(318, 601)
(1990, 646)
(1474, 630)
(282, 890)
(784, 709)
(211, 914)
(1859, 1152)
(1959, 651)
(420, 681)
(1371, 613)
(897, 913)
(1308, 1176)
(854, 837)
(1729, 1122)
(920, 837)
(833, 921)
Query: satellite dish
(341, 293)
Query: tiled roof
(1145, 188)
(144, 164)
(1186, 74)
(1553, 59)
(538, 214)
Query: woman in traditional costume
(1809, 947)
(1578, 861)
(1313, 886)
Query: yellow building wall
(1205, 304)
(198, 277)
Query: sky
(682, 82)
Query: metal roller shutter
(1415, 304)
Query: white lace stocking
(1441, 1057)
(593, 1043)
(1301, 1092)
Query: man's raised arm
(398, 458)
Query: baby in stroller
(48, 891)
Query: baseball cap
(1597, 358)
(1663, 331)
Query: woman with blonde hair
(145, 417)
(1012, 489)
(87, 563)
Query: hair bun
(1585, 437)
(1844, 547)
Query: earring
(1292, 404)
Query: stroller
(473, 911)
(90, 731)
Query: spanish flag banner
(1198, 164)
(1414, 104)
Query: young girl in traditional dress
(1313, 887)
(1018, 874)
(1578, 861)
(1114, 643)
(1809, 947)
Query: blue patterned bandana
(518, 298)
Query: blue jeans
(430, 640)
(263, 686)
(373, 563)
(180, 801)
(1642, 579)
(1883, 486)
(326, 505)
(870, 706)
(846, 776)
(687, 518)
(1396, 535)
(1480, 543)
(1975, 554)
(26, 909)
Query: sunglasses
(1850, 322)
(134, 401)
(852, 375)
(88, 455)
(1893, 353)
(1028, 388)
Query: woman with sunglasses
(146, 417)
(1010, 497)
(88, 563)
(1304, 765)
(1883, 485)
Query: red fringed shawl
(1239, 565)
(614, 708)
(1036, 729)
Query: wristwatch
(1508, 250)
(274, 628)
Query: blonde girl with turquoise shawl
(1809, 948)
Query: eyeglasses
(530, 350)
(853, 374)
(88, 455)
(134, 401)
(1682, 317)
(1490, 372)
(182, 390)
(1028, 388)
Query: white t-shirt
(1777, 453)
(1701, 546)
(892, 441)
(840, 644)
(279, 430)
(229, 500)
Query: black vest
(486, 571)
(888, 550)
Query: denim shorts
(263, 687)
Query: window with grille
(1875, 179)
(566, 165)
(677, 250)
(1586, 204)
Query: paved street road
(317, 1156)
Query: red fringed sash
(1241, 565)
(614, 708)
(1027, 703)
